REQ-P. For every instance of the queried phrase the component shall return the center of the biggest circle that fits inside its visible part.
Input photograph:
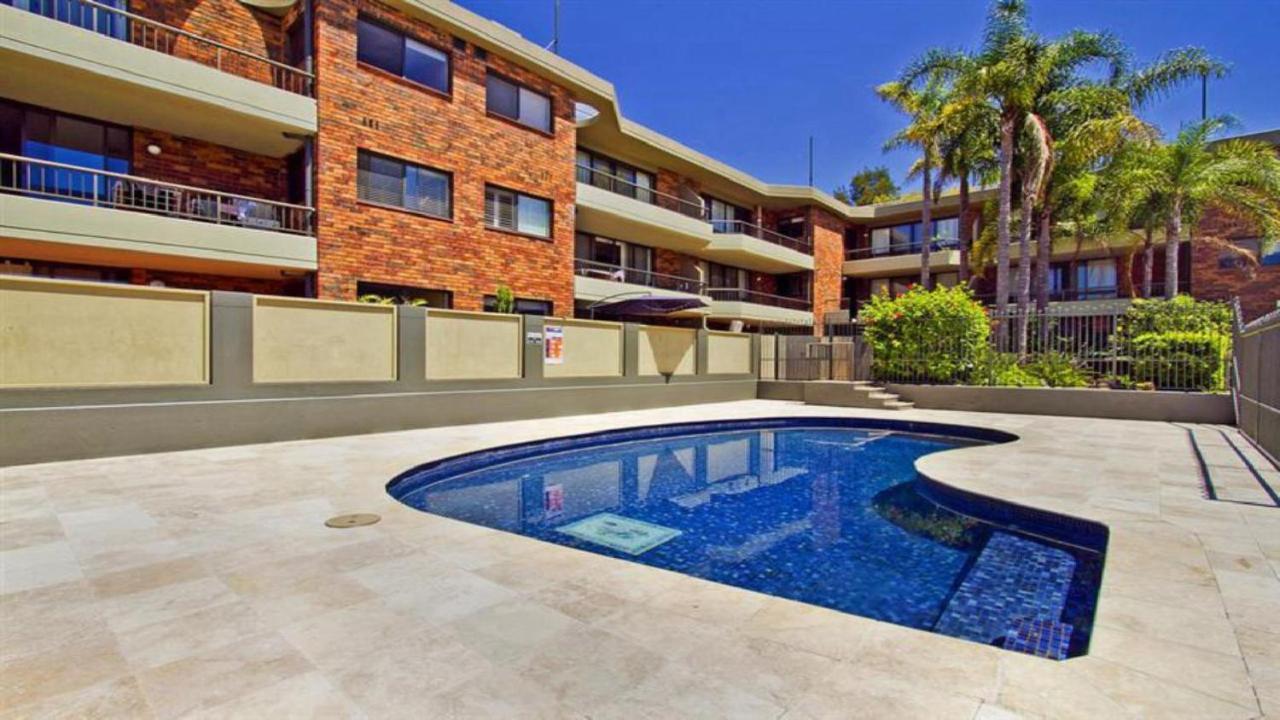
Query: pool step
(859, 394)
(1013, 595)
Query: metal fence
(808, 357)
(71, 183)
(1256, 377)
(1064, 348)
(153, 35)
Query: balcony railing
(99, 188)
(152, 35)
(617, 273)
(745, 228)
(758, 298)
(864, 253)
(622, 186)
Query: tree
(968, 155)
(925, 106)
(1192, 173)
(868, 186)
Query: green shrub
(1057, 369)
(1180, 360)
(925, 335)
(1002, 369)
(1181, 314)
(504, 300)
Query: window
(66, 139)
(389, 50)
(1228, 259)
(725, 216)
(605, 172)
(404, 294)
(519, 103)
(1096, 279)
(948, 229)
(723, 276)
(387, 181)
(79, 14)
(523, 306)
(517, 212)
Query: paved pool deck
(205, 584)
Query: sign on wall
(553, 345)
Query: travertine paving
(205, 584)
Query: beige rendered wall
(668, 351)
(591, 349)
(296, 340)
(728, 353)
(60, 334)
(473, 346)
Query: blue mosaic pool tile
(1012, 580)
(1043, 638)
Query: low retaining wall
(1073, 402)
(49, 434)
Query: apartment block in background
(414, 151)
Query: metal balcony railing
(617, 273)
(745, 228)
(758, 298)
(622, 186)
(892, 249)
(152, 35)
(99, 188)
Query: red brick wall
(201, 164)
(229, 22)
(364, 108)
(828, 260)
(1258, 287)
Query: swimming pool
(820, 510)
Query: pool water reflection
(831, 516)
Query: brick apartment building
(413, 150)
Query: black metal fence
(1063, 348)
(1256, 371)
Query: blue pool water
(813, 510)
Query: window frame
(405, 163)
(492, 300)
(405, 37)
(549, 131)
(551, 213)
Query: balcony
(901, 259)
(91, 59)
(615, 207)
(758, 307)
(63, 212)
(596, 281)
(741, 244)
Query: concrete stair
(857, 394)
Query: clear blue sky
(748, 81)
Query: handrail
(759, 298)
(284, 76)
(893, 249)
(617, 273)
(760, 233)
(60, 181)
(606, 181)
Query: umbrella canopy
(646, 305)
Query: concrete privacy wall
(296, 340)
(591, 349)
(60, 334)
(473, 346)
(728, 353)
(668, 351)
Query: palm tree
(925, 106)
(1184, 177)
(968, 155)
